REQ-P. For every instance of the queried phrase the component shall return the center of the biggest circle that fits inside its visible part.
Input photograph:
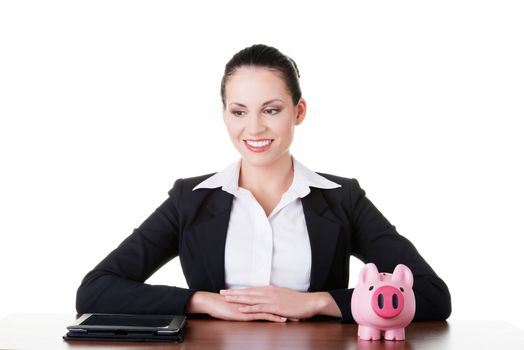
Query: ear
(301, 111)
(368, 273)
(403, 275)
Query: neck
(276, 176)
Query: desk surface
(216, 334)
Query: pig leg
(395, 334)
(368, 333)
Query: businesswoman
(266, 238)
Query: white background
(104, 104)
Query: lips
(259, 145)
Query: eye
(275, 110)
(371, 288)
(402, 289)
(237, 113)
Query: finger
(244, 299)
(253, 308)
(266, 316)
(264, 308)
(241, 291)
(259, 308)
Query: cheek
(233, 129)
(284, 130)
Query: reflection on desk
(45, 331)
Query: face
(260, 108)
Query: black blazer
(193, 225)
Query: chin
(258, 159)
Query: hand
(275, 300)
(216, 306)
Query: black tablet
(127, 327)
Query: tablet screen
(134, 320)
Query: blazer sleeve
(375, 239)
(116, 284)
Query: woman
(266, 238)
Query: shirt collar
(303, 179)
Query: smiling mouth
(258, 146)
(259, 143)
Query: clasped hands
(270, 303)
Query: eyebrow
(263, 104)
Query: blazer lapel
(211, 236)
(323, 236)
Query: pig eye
(402, 289)
(371, 288)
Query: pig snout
(387, 301)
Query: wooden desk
(216, 334)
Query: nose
(255, 124)
(387, 302)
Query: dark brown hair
(269, 57)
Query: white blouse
(267, 250)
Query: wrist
(199, 303)
(325, 304)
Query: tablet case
(113, 333)
(129, 337)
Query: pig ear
(403, 275)
(368, 273)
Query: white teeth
(259, 143)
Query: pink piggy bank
(383, 302)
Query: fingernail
(282, 318)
